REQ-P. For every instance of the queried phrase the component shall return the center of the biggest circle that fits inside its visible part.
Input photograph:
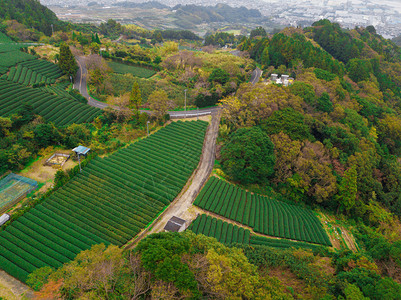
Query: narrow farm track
(184, 200)
(14, 286)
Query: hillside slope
(30, 13)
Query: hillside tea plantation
(58, 110)
(224, 232)
(263, 214)
(228, 233)
(8, 59)
(136, 71)
(34, 71)
(110, 202)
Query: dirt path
(182, 205)
(11, 288)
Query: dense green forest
(31, 14)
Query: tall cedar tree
(67, 61)
(135, 98)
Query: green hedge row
(265, 215)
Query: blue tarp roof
(81, 150)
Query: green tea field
(263, 214)
(110, 202)
(136, 71)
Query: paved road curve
(81, 84)
(257, 73)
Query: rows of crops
(263, 214)
(56, 109)
(224, 232)
(228, 233)
(4, 38)
(43, 67)
(136, 71)
(34, 71)
(9, 59)
(59, 90)
(26, 76)
(111, 201)
(3, 70)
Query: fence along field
(263, 214)
(230, 234)
(110, 202)
(60, 111)
(12, 187)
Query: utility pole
(79, 161)
(147, 127)
(52, 29)
(185, 91)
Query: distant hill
(397, 40)
(143, 5)
(30, 13)
(219, 13)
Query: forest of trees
(31, 14)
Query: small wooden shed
(175, 224)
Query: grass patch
(136, 71)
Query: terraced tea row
(56, 109)
(224, 232)
(110, 202)
(44, 67)
(228, 233)
(26, 76)
(34, 71)
(263, 214)
(4, 38)
(9, 59)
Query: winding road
(256, 74)
(81, 84)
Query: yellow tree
(159, 103)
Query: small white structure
(285, 80)
(4, 218)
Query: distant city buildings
(384, 15)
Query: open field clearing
(136, 71)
